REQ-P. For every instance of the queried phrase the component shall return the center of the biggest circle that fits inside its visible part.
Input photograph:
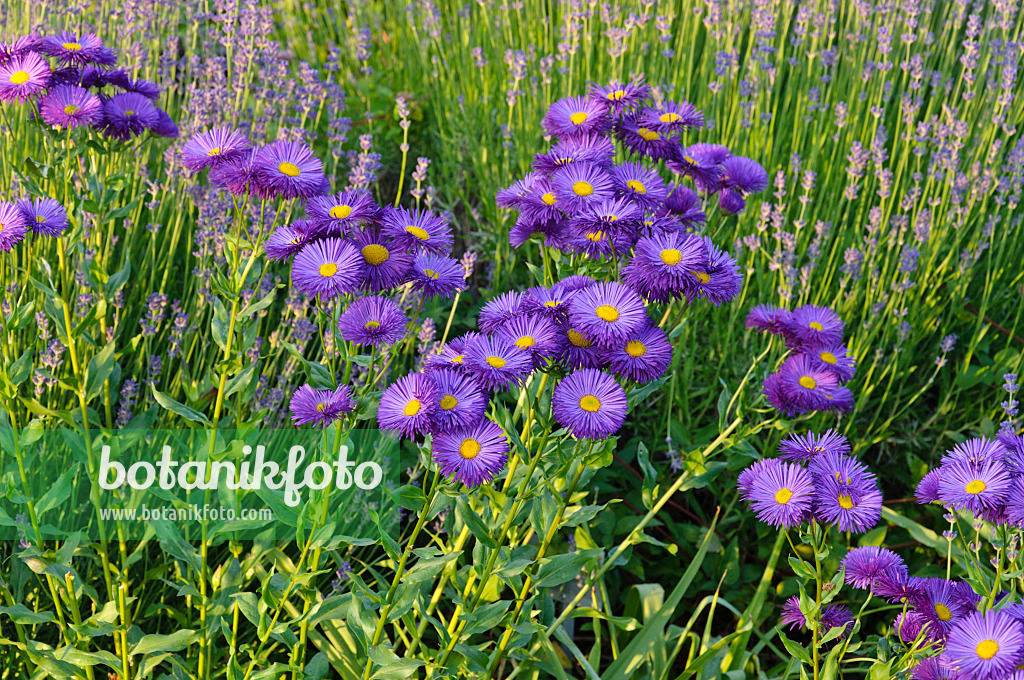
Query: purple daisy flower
(642, 140)
(660, 269)
(437, 275)
(418, 230)
(23, 77)
(608, 312)
(731, 202)
(799, 387)
(473, 455)
(933, 668)
(908, 626)
(1015, 503)
(976, 450)
(70, 106)
(44, 216)
(766, 317)
(744, 175)
(672, 117)
(642, 357)
(320, 407)
(596, 240)
(975, 486)
(496, 363)
(21, 46)
(550, 302)
(619, 97)
(340, 213)
(798, 448)
(238, 175)
(580, 186)
(73, 49)
(450, 357)
(165, 126)
(327, 268)
(573, 117)
(598, 151)
(854, 507)
(988, 645)
(866, 565)
(513, 196)
(540, 206)
(781, 495)
(386, 265)
(943, 604)
(832, 616)
(502, 309)
(700, 162)
(579, 351)
(642, 185)
(144, 87)
(214, 147)
(462, 404)
(407, 405)
(928, 488)
(374, 321)
(745, 481)
(128, 114)
(288, 170)
(287, 240)
(812, 326)
(720, 281)
(536, 336)
(12, 226)
(836, 359)
(684, 203)
(590, 404)
(617, 217)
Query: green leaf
(564, 568)
(175, 642)
(186, 412)
(21, 369)
(99, 369)
(19, 613)
(473, 522)
(426, 569)
(58, 493)
(797, 651)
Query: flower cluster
(982, 476)
(75, 82)
(816, 477)
(972, 644)
(43, 216)
(813, 376)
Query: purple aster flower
(640, 184)
(214, 147)
(128, 114)
(1015, 503)
(473, 455)
(975, 486)
(836, 359)
(590, 404)
(536, 336)
(320, 407)
(684, 203)
(908, 626)
(238, 175)
(407, 406)
(144, 87)
(595, 240)
(933, 668)
(642, 357)
(165, 126)
(608, 313)
(513, 196)
(386, 265)
(832, 616)
(597, 151)
(928, 488)
(572, 117)
(550, 302)
(720, 281)
(745, 480)
(69, 106)
(74, 49)
(660, 269)
(496, 363)
(988, 645)
(23, 77)
(976, 450)
(853, 505)
(374, 321)
(617, 217)
(743, 175)
(642, 140)
(44, 216)
(702, 163)
(342, 212)
(462, 404)
(451, 356)
(866, 565)
(943, 604)
(288, 170)
(781, 495)
(766, 317)
(436, 275)
(12, 226)
(418, 230)
(812, 326)
(327, 268)
(580, 186)
(502, 309)
(287, 240)
(799, 448)
(672, 117)
(21, 46)
(617, 97)
(731, 202)
(579, 351)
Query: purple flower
(342, 212)
(288, 170)
(327, 268)
(69, 106)
(418, 230)
(73, 49)
(12, 226)
(462, 404)
(407, 406)
(320, 407)
(617, 97)
(590, 404)
(987, 645)
(942, 603)
(44, 216)
(608, 313)
(640, 184)
(575, 117)
(781, 495)
(502, 309)
(287, 241)
(662, 265)
(128, 114)
(23, 77)
(802, 448)
(866, 565)
(214, 147)
(744, 175)
(536, 336)
(672, 117)
(642, 140)
(642, 357)
(579, 186)
(766, 317)
(854, 505)
(812, 326)
(832, 616)
(495, 362)
(386, 265)
(436, 275)
(473, 455)
(374, 321)
(975, 486)
(720, 281)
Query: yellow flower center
(418, 232)
(689, 159)
(469, 448)
(375, 254)
(595, 236)
(616, 95)
(649, 135)
(703, 277)
(582, 188)
(807, 382)
(590, 403)
(578, 118)
(340, 212)
(578, 340)
(412, 408)
(70, 109)
(986, 649)
(607, 312)
(552, 303)
(458, 359)
(637, 186)
(635, 348)
(495, 362)
(448, 402)
(321, 407)
(40, 219)
(432, 274)
(549, 198)
(72, 46)
(845, 502)
(129, 112)
(289, 169)
(328, 269)
(670, 117)
(671, 256)
(975, 487)
(783, 495)
(942, 611)
(828, 358)
(215, 151)
(372, 324)
(815, 326)
(525, 341)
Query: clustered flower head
(74, 81)
(982, 476)
(814, 374)
(580, 200)
(44, 216)
(970, 644)
(816, 477)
